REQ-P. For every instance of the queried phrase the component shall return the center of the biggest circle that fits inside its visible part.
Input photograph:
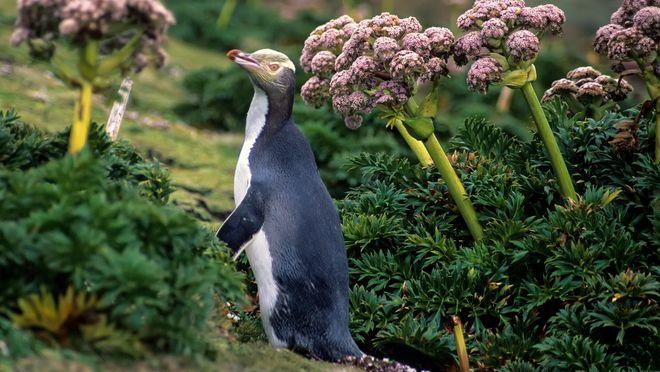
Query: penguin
(286, 221)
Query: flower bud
(467, 47)
(603, 37)
(441, 41)
(523, 46)
(417, 43)
(484, 72)
(583, 73)
(323, 63)
(315, 91)
(494, 29)
(406, 63)
(647, 20)
(385, 48)
(353, 122)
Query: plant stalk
(456, 189)
(416, 146)
(226, 14)
(653, 87)
(460, 345)
(81, 118)
(504, 100)
(548, 138)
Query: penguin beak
(245, 60)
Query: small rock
(6, 69)
(40, 95)
(371, 364)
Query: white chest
(262, 266)
(256, 120)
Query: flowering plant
(633, 37)
(393, 66)
(588, 92)
(111, 36)
(503, 41)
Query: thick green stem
(456, 189)
(82, 112)
(653, 86)
(226, 14)
(548, 138)
(111, 63)
(81, 118)
(416, 146)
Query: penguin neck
(268, 113)
(256, 116)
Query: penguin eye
(273, 67)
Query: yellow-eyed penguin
(286, 221)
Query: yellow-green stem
(456, 189)
(416, 146)
(548, 138)
(460, 345)
(81, 118)
(226, 14)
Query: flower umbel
(507, 31)
(379, 62)
(632, 38)
(83, 20)
(503, 41)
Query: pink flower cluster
(83, 20)
(515, 14)
(505, 27)
(632, 35)
(378, 61)
(484, 71)
(587, 85)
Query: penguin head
(271, 71)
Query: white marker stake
(118, 109)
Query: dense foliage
(554, 285)
(92, 258)
(333, 144)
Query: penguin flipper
(244, 222)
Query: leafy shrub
(553, 285)
(93, 232)
(333, 144)
(23, 147)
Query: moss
(257, 356)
